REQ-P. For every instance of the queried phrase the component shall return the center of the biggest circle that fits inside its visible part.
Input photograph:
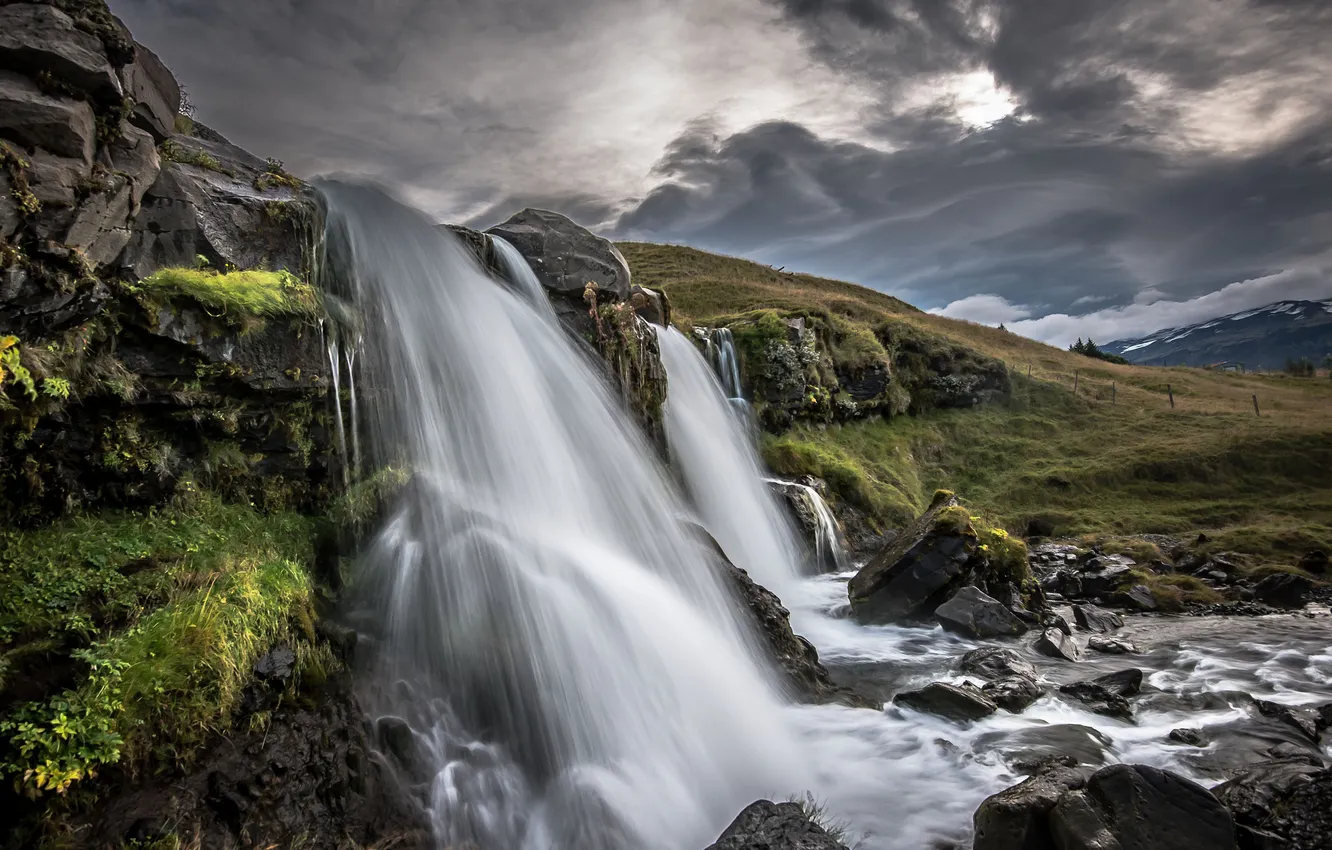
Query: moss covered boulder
(943, 551)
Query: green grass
(158, 618)
(174, 151)
(1112, 461)
(237, 296)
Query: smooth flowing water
(521, 276)
(572, 671)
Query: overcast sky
(1074, 168)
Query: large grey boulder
(101, 226)
(1139, 807)
(1056, 644)
(971, 612)
(155, 92)
(993, 662)
(64, 126)
(1093, 619)
(1107, 694)
(1017, 818)
(565, 256)
(765, 825)
(954, 702)
(39, 38)
(913, 575)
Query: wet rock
(1260, 792)
(1286, 751)
(1107, 694)
(341, 640)
(1283, 590)
(913, 575)
(306, 777)
(101, 225)
(971, 612)
(1102, 576)
(955, 702)
(1056, 644)
(155, 92)
(1018, 818)
(651, 304)
(1052, 620)
(1112, 646)
(765, 825)
(1093, 619)
(1065, 583)
(1134, 806)
(1324, 713)
(1039, 527)
(1302, 720)
(276, 666)
(1304, 820)
(1085, 744)
(1188, 737)
(993, 662)
(795, 656)
(62, 125)
(39, 38)
(565, 256)
(1013, 693)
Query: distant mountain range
(1264, 338)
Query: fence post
(1075, 383)
(1028, 371)
(1171, 392)
(1256, 411)
(1114, 393)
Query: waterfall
(829, 549)
(726, 362)
(721, 470)
(521, 276)
(355, 408)
(335, 379)
(570, 666)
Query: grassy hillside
(1114, 458)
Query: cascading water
(829, 550)
(521, 276)
(721, 470)
(335, 378)
(726, 361)
(573, 672)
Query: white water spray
(574, 673)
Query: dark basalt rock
(308, 776)
(971, 612)
(155, 93)
(1093, 619)
(992, 662)
(1137, 598)
(1112, 646)
(1303, 720)
(651, 305)
(1316, 562)
(1134, 806)
(1284, 590)
(765, 825)
(1056, 644)
(565, 256)
(961, 703)
(1018, 818)
(39, 38)
(914, 574)
(63, 126)
(1107, 694)
(1013, 693)
(1274, 799)
(1188, 737)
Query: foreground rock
(1117, 808)
(765, 825)
(1282, 804)
(1108, 694)
(933, 560)
(961, 703)
(1056, 644)
(1011, 681)
(1093, 619)
(972, 613)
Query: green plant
(174, 151)
(57, 388)
(12, 368)
(240, 297)
(275, 175)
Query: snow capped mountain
(1264, 338)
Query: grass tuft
(237, 295)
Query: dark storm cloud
(1041, 155)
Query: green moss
(1007, 555)
(359, 505)
(274, 175)
(174, 151)
(237, 295)
(1174, 592)
(17, 167)
(173, 606)
(954, 519)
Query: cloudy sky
(1073, 168)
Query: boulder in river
(1013, 693)
(1135, 806)
(993, 662)
(955, 702)
(971, 612)
(1017, 818)
(1107, 694)
(914, 574)
(1139, 597)
(565, 256)
(1056, 644)
(1093, 619)
(765, 825)
(1112, 646)
(1302, 720)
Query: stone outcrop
(765, 825)
(960, 703)
(972, 613)
(130, 392)
(1120, 806)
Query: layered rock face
(122, 389)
